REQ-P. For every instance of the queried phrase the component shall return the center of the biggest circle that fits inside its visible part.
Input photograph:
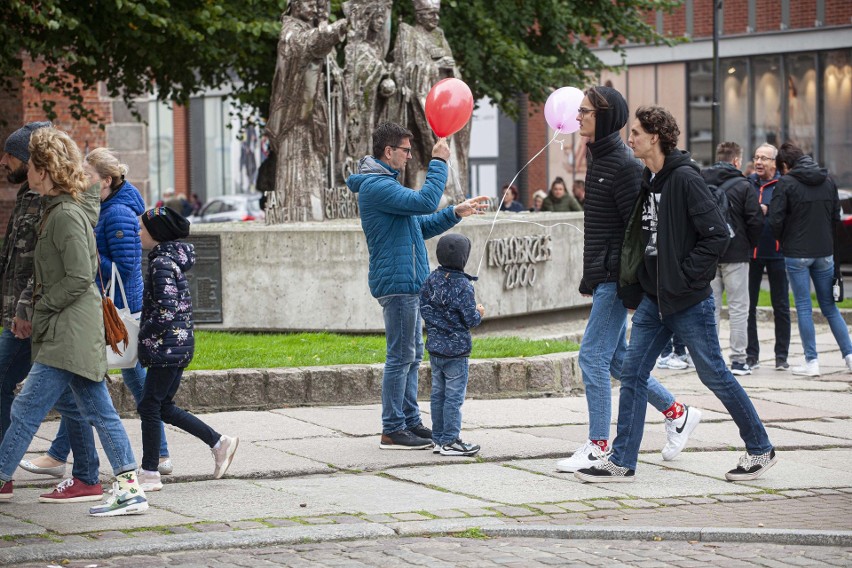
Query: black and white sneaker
(782, 365)
(740, 368)
(404, 440)
(605, 472)
(751, 467)
(459, 448)
(421, 431)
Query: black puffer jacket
(613, 180)
(804, 210)
(746, 215)
(691, 235)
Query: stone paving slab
(497, 483)
(652, 482)
(362, 420)
(838, 428)
(768, 410)
(500, 444)
(10, 526)
(524, 412)
(252, 426)
(365, 494)
(838, 404)
(726, 435)
(798, 469)
(761, 380)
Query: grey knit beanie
(18, 142)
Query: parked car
(843, 240)
(229, 208)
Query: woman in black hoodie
(802, 214)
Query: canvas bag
(129, 352)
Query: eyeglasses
(763, 159)
(583, 111)
(406, 149)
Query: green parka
(68, 323)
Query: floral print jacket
(165, 335)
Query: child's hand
(481, 309)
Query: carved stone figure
(422, 57)
(366, 73)
(299, 118)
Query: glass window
(802, 100)
(767, 101)
(215, 150)
(161, 154)
(700, 135)
(734, 104)
(837, 115)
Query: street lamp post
(716, 115)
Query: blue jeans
(449, 385)
(821, 270)
(135, 381)
(696, 326)
(601, 355)
(404, 336)
(158, 406)
(46, 387)
(14, 365)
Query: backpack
(720, 196)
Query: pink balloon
(560, 110)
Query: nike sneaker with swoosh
(679, 430)
(121, 503)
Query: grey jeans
(733, 278)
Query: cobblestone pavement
(482, 553)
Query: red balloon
(449, 105)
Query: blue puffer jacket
(396, 220)
(166, 338)
(448, 306)
(117, 236)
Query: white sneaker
(149, 480)
(223, 454)
(849, 362)
(686, 358)
(809, 369)
(587, 455)
(671, 361)
(678, 431)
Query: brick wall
(180, 122)
(12, 113)
(838, 12)
(537, 137)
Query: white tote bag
(127, 359)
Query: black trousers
(779, 292)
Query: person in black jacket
(732, 274)
(803, 215)
(674, 238)
(613, 179)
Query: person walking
(396, 221)
(167, 344)
(674, 238)
(613, 180)
(68, 344)
(803, 216)
(732, 272)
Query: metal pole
(716, 115)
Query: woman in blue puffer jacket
(117, 237)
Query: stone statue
(422, 57)
(366, 72)
(300, 128)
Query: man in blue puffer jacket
(396, 221)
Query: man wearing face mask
(613, 181)
(16, 269)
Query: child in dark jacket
(166, 343)
(448, 306)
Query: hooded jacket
(691, 235)
(117, 235)
(448, 302)
(68, 322)
(396, 220)
(746, 215)
(16, 257)
(804, 211)
(561, 204)
(767, 245)
(613, 180)
(166, 337)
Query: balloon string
(575, 227)
(511, 183)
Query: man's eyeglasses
(763, 159)
(406, 149)
(583, 111)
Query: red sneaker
(73, 491)
(6, 491)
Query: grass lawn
(764, 300)
(222, 350)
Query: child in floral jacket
(448, 306)
(166, 343)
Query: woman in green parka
(69, 352)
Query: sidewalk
(318, 474)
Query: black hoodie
(804, 210)
(746, 216)
(613, 179)
(691, 235)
